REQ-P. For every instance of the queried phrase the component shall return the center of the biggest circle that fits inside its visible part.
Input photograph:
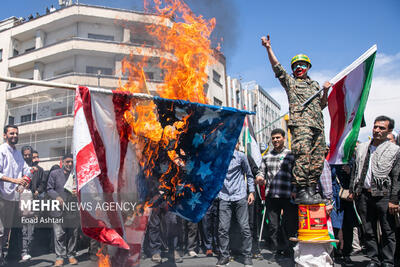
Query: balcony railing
(49, 148)
(40, 111)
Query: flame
(184, 46)
(104, 259)
(189, 41)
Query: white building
(251, 96)
(78, 44)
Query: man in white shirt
(13, 172)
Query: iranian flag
(249, 141)
(347, 103)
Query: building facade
(78, 44)
(251, 96)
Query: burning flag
(346, 104)
(183, 164)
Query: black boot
(315, 197)
(303, 196)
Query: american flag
(108, 169)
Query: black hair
(35, 151)
(68, 155)
(385, 118)
(24, 148)
(278, 131)
(9, 126)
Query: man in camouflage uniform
(305, 123)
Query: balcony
(41, 111)
(51, 149)
(78, 46)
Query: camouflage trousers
(308, 147)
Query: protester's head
(35, 158)
(67, 162)
(300, 65)
(278, 139)
(10, 135)
(26, 152)
(393, 137)
(383, 125)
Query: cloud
(384, 97)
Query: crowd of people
(231, 226)
(361, 196)
(23, 180)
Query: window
(62, 72)
(141, 41)
(11, 120)
(206, 87)
(1, 54)
(28, 117)
(100, 37)
(99, 70)
(15, 53)
(29, 49)
(149, 75)
(217, 102)
(217, 78)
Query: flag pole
(37, 82)
(345, 71)
(66, 86)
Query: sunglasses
(300, 65)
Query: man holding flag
(305, 122)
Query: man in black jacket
(35, 188)
(374, 186)
(65, 231)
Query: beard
(12, 140)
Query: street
(46, 260)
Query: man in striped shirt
(276, 173)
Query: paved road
(48, 260)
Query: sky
(332, 33)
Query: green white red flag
(346, 105)
(249, 141)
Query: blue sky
(331, 33)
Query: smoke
(226, 14)
(224, 11)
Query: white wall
(55, 68)
(25, 45)
(215, 90)
(83, 61)
(85, 28)
(26, 74)
(66, 32)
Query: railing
(49, 148)
(41, 111)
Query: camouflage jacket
(298, 91)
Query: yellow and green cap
(300, 57)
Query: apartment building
(77, 44)
(251, 96)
